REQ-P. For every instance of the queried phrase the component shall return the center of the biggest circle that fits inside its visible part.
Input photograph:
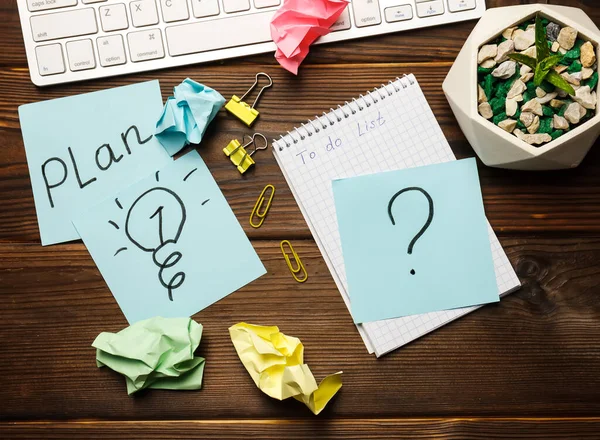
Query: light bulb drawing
(155, 222)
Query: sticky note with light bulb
(415, 241)
(169, 245)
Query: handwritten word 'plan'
(81, 149)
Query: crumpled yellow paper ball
(275, 362)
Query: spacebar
(203, 36)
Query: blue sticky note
(83, 148)
(415, 241)
(169, 245)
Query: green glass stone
(547, 110)
(483, 71)
(592, 81)
(547, 87)
(520, 125)
(498, 105)
(556, 134)
(562, 110)
(571, 55)
(488, 86)
(575, 67)
(545, 125)
(499, 118)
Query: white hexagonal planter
(494, 146)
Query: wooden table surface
(528, 367)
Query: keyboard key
(81, 55)
(174, 10)
(429, 9)
(183, 39)
(236, 5)
(366, 12)
(42, 5)
(342, 23)
(111, 50)
(266, 3)
(398, 13)
(205, 8)
(113, 17)
(143, 13)
(145, 45)
(64, 24)
(461, 5)
(50, 59)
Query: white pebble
(527, 77)
(586, 73)
(487, 51)
(574, 113)
(539, 92)
(536, 139)
(485, 110)
(508, 125)
(525, 69)
(555, 46)
(533, 106)
(547, 98)
(567, 37)
(481, 95)
(560, 68)
(531, 52)
(517, 88)
(488, 64)
(508, 32)
(572, 78)
(583, 95)
(527, 118)
(560, 123)
(523, 39)
(504, 49)
(535, 125)
(511, 106)
(505, 70)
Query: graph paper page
(389, 129)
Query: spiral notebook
(351, 141)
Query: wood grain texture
(535, 353)
(297, 429)
(516, 202)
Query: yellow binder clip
(259, 204)
(238, 154)
(237, 107)
(299, 270)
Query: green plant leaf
(558, 81)
(549, 62)
(539, 75)
(524, 59)
(541, 41)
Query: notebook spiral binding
(378, 93)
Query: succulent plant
(543, 64)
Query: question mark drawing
(162, 210)
(427, 223)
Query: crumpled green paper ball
(155, 353)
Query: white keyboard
(74, 40)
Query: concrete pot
(494, 146)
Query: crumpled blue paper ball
(187, 114)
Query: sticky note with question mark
(165, 245)
(415, 241)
